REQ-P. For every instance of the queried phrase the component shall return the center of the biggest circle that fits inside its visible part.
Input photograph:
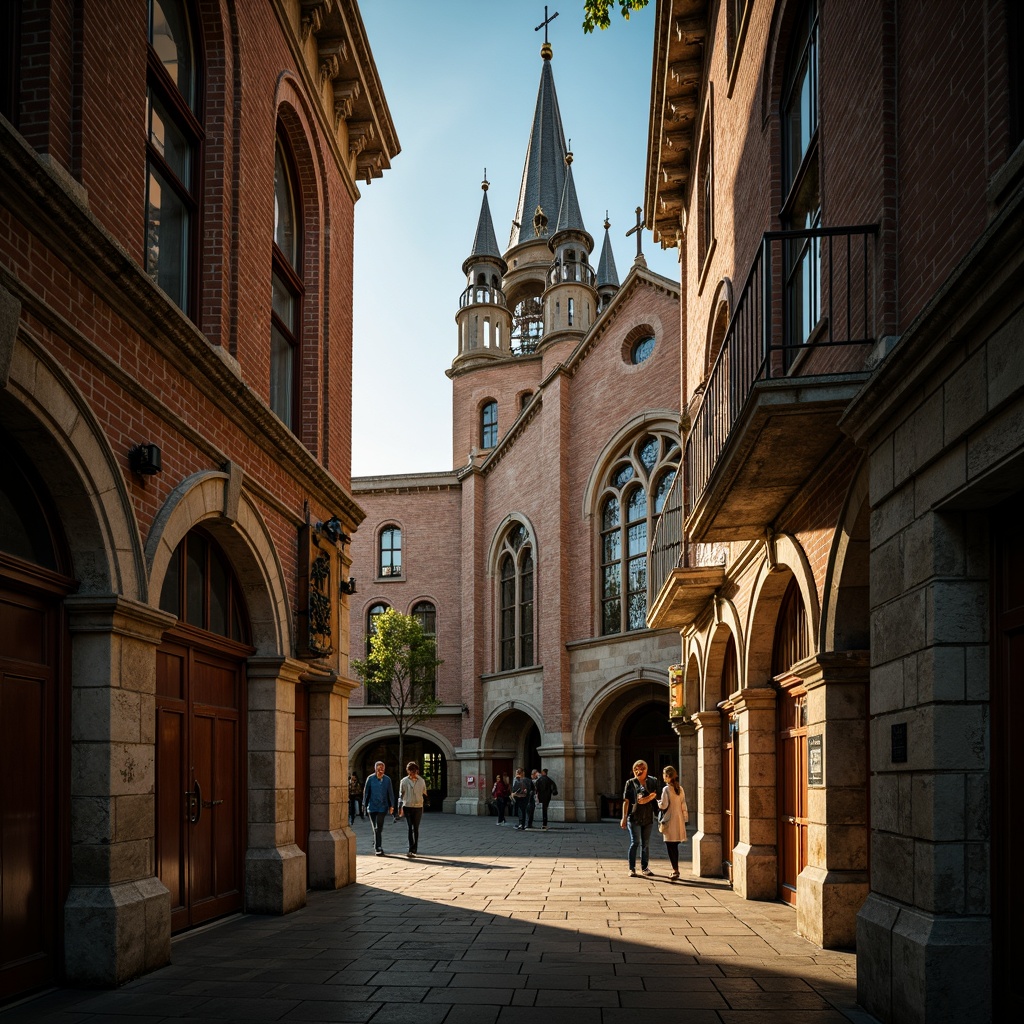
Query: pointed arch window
(634, 495)
(489, 425)
(390, 554)
(173, 140)
(425, 613)
(515, 600)
(286, 290)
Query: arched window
(515, 600)
(201, 589)
(375, 612)
(390, 561)
(286, 291)
(174, 135)
(634, 495)
(425, 614)
(801, 192)
(489, 425)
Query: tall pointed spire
(606, 272)
(544, 170)
(569, 216)
(485, 243)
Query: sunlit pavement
(491, 926)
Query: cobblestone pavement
(491, 926)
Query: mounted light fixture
(348, 586)
(333, 531)
(144, 459)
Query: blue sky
(461, 77)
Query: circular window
(642, 349)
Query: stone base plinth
(707, 854)
(275, 880)
(826, 906)
(754, 872)
(332, 858)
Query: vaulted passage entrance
(200, 756)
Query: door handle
(199, 803)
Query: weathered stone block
(965, 396)
(275, 880)
(941, 478)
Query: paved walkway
(491, 926)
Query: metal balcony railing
(806, 290)
(482, 293)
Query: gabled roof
(544, 171)
(606, 272)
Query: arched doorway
(791, 646)
(646, 735)
(428, 755)
(200, 736)
(34, 580)
(730, 761)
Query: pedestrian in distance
(379, 802)
(546, 789)
(501, 793)
(510, 804)
(673, 818)
(412, 798)
(638, 796)
(522, 790)
(531, 807)
(355, 795)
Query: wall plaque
(815, 759)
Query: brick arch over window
(715, 668)
(718, 325)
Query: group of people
(639, 799)
(522, 795)
(375, 799)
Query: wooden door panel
(224, 814)
(200, 832)
(171, 804)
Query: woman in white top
(412, 796)
(674, 815)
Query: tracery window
(174, 136)
(489, 425)
(286, 291)
(634, 495)
(425, 614)
(390, 560)
(515, 600)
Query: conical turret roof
(606, 272)
(544, 171)
(569, 216)
(485, 243)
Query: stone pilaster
(584, 775)
(833, 884)
(275, 868)
(332, 844)
(559, 762)
(472, 799)
(706, 838)
(755, 860)
(117, 919)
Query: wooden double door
(200, 777)
(791, 752)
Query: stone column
(472, 799)
(332, 843)
(706, 806)
(755, 860)
(117, 919)
(275, 868)
(587, 798)
(559, 762)
(833, 885)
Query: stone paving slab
(490, 926)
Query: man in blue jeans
(638, 816)
(379, 802)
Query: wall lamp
(333, 531)
(144, 459)
(348, 586)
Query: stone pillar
(706, 807)
(332, 843)
(472, 799)
(275, 868)
(117, 919)
(558, 760)
(833, 885)
(586, 807)
(755, 860)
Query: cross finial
(544, 24)
(637, 230)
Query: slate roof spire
(485, 243)
(606, 272)
(569, 216)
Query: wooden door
(791, 752)
(29, 808)
(1007, 764)
(199, 781)
(730, 793)
(302, 771)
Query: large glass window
(800, 167)
(425, 614)
(634, 495)
(390, 562)
(374, 613)
(286, 292)
(174, 135)
(489, 425)
(515, 600)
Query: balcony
(683, 577)
(481, 294)
(791, 362)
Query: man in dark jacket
(545, 789)
(522, 794)
(638, 816)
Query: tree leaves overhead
(596, 12)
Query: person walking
(355, 794)
(674, 817)
(522, 789)
(638, 816)
(378, 802)
(546, 789)
(412, 798)
(501, 793)
(531, 807)
(510, 804)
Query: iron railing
(482, 293)
(806, 290)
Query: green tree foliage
(399, 672)
(596, 12)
